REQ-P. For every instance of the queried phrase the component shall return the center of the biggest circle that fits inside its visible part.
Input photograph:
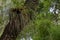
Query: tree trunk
(18, 19)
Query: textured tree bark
(17, 20)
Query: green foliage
(55, 32)
(39, 29)
(18, 3)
